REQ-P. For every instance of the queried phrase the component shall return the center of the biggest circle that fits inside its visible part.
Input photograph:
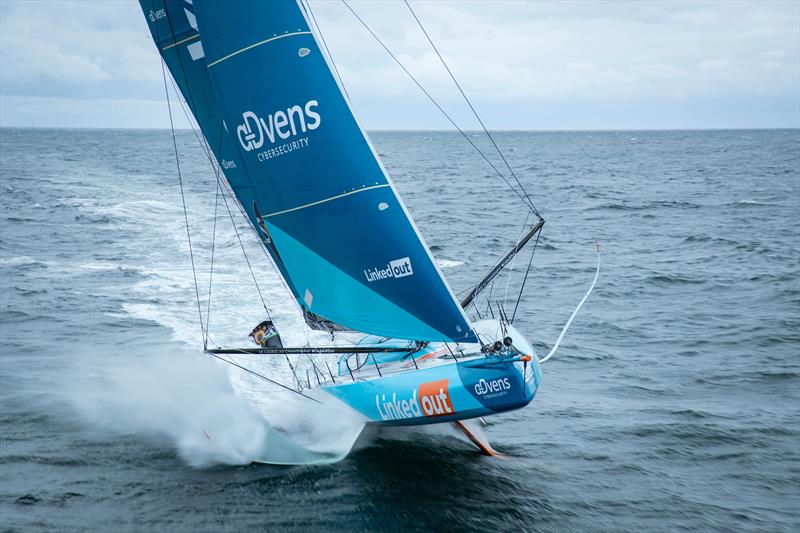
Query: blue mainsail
(343, 237)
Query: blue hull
(478, 386)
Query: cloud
(616, 64)
(77, 50)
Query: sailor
(266, 335)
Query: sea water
(673, 402)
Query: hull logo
(431, 399)
(492, 388)
(434, 397)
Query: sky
(525, 65)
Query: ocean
(672, 404)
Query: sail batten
(265, 41)
(324, 200)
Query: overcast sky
(526, 65)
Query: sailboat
(279, 128)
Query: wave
(674, 279)
(659, 204)
(447, 263)
(708, 238)
(125, 270)
(22, 261)
(15, 315)
(751, 203)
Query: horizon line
(498, 130)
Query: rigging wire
(526, 199)
(211, 268)
(213, 247)
(221, 183)
(514, 259)
(325, 44)
(265, 378)
(183, 198)
(522, 287)
(439, 107)
(499, 152)
(474, 112)
(206, 148)
(209, 156)
(246, 258)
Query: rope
(183, 199)
(575, 312)
(439, 107)
(474, 112)
(526, 199)
(207, 151)
(209, 156)
(211, 269)
(213, 247)
(221, 183)
(247, 259)
(514, 259)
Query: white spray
(188, 399)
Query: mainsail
(306, 172)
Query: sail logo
(157, 15)
(280, 125)
(431, 399)
(399, 268)
(493, 387)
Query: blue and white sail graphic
(344, 236)
(173, 26)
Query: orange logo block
(434, 398)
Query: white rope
(575, 312)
